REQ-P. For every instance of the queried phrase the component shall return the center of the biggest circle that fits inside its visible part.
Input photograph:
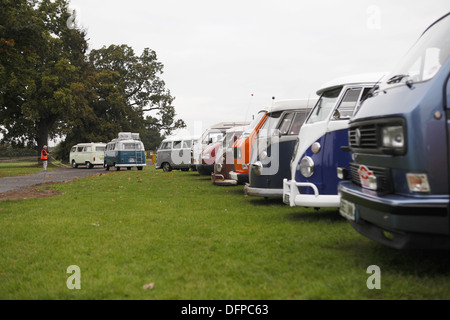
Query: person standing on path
(44, 157)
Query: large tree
(50, 86)
(42, 63)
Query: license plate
(131, 159)
(347, 209)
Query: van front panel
(408, 161)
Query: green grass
(8, 169)
(194, 240)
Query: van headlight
(257, 168)
(218, 167)
(307, 167)
(393, 137)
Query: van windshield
(425, 58)
(324, 106)
(254, 123)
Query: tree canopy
(50, 85)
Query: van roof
(173, 138)
(227, 125)
(90, 143)
(237, 129)
(363, 78)
(290, 104)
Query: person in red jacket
(44, 157)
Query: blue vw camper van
(313, 181)
(126, 151)
(399, 139)
(275, 141)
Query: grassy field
(8, 169)
(194, 240)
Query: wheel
(89, 165)
(166, 167)
(117, 168)
(106, 166)
(139, 168)
(128, 168)
(74, 164)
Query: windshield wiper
(396, 78)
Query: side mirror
(276, 133)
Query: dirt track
(23, 187)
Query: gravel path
(57, 175)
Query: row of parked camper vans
(126, 151)
(376, 146)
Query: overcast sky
(224, 60)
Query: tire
(106, 166)
(89, 165)
(139, 168)
(128, 168)
(74, 164)
(166, 167)
(117, 168)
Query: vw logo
(357, 137)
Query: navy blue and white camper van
(126, 151)
(400, 144)
(313, 181)
(274, 145)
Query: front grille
(363, 137)
(383, 175)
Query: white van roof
(227, 125)
(363, 78)
(237, 129)
(174, 138)
(290, 104)
(90, 143)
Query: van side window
(187, 144)
(286, 123)
(177, 144)
(99, 148)
(74, 149)
(348, 104)
(165, 145)
(80, 149)
(87, 149)
(297, 123)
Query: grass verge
(194, 240)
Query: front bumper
(220, 180)
(262, 192)
(293, 197)
(397, 221)
(239, 177)
(130, 165)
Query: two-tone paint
(275, 141)
(313, 181)
(399, 192)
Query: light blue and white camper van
(126, 151)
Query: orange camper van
(243, 148)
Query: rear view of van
(88, 154)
